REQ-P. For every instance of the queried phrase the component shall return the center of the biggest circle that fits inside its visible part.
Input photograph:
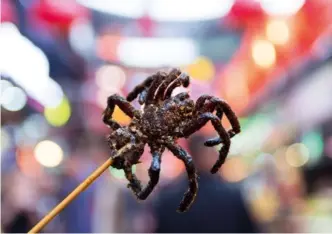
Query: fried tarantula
(164, 120)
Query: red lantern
(59, 13)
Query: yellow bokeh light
(263, 53)
(58, 116)
(120, 117)
(234, 169)
(202, 69)
(277, 31)
(48, 153)
(297, 155)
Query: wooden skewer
(48, 218)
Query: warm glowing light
(265, 205)
(120, 117)
(234, 170)
(48, 154)
(201, 69)
(13, 99)
(59, 115)
(236, 89)
(297, 155)
(277, 31)
(263, 53)
(110, 77)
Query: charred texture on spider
(164, 120)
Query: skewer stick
(48, 218)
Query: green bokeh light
(315, 143)
(119, 174)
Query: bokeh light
(120, 117)
(5, 140)
(119, 174)
(297, 155)
(59, 115)
(201, 69)
(281, 7)
(315, 144)
(234, 169)
(110, 77)
(13, 99)
(277, 31)
(263, 53)
(81, 36)
(4, 84)
(35, 126)
(48, 153)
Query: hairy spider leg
(222, 107)
(140, 88)
(154, 173)
(160, 76)
(183, 80)
(197, 124)
(191, 193)
(173, 75)
(119, 162)
(124, 105)
(134, 183)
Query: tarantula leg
(160, 76)
(134, 184)
(140, 88)
(201, 106)
(183, 80)
(199, 123)
(190, 195)
(154, 173)
(173, 75)
(124, 105)
(221, 106)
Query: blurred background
(60, 60)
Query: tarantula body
(164, 120)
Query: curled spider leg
(124, 105)
(140, 88)
(199, 123)
(191, 193)
(119, 162)
(160, 77)
(209, 103)
(173, 75)
(154, 173)
(134, 184)
(183, 80)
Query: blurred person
(219, 206)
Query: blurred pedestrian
(219, 206)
